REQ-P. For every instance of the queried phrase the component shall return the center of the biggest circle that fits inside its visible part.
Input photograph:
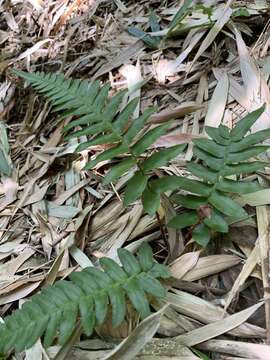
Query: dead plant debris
(205, 65)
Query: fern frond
(86, 296)
(224, 155)
(100, 118)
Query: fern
(99, 116)
(54, 311)
(209, 200)
(223, 155)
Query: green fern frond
(210, 199)
(54, 312)
(100, 118)
(226, 153)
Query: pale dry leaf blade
(223, 19)
(217, 103)
(256, 88)
(143, 333)
(19, 293)
(263, 221)
(33, 49)
(35, 352)
(220, 327)
(258, 198)
(180, 266)
(206, 312)
(210, 265)
(245, 272)
(238, 348)
(37, 4)
(175, 113)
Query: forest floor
(210, 64)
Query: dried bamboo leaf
(238, 348)
(217, 103)
(264, 251)
(143, 333)
(221, 21)
(215, 329)
(180, 266)
(246, 270)
(202, 310)
(210, 265)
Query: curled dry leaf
(209, 265)
(134, 78)
(183, 264)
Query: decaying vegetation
(200, 64)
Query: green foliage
(151, 41)
(5, 162)
(220, 158)
(99, 117)
(179, 16)
(54, 312)
(224, 155)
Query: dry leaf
(183, 264)
(209, 265)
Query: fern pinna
(222, 157)
(86, 297)
(99, 117)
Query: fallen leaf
(215, 329)
(211, 264)
(183, 264)
(132, 345)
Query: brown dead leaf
(19, 293)
(215, 329)
(176, 113)
(209, 265)
(243, 349)
(184, 264)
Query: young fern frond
(100, 117)
(209, 199)
(53, 313)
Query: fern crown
(54, 311)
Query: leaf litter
(200, 63)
